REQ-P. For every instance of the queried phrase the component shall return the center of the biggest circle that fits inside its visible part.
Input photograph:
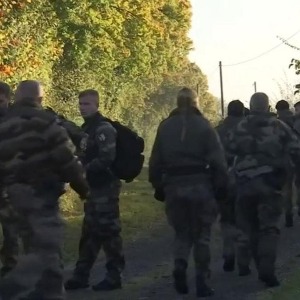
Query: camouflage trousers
(297, 190)
(287, 193)
(258, 211)
(101, 229)
(230, 232)
(10, 246)
(191, 210)
(38, 274)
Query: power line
(262, 54)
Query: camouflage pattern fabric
(258, 211)
(191, 210)
(39, 271)
(101, 226)
(228, 228)
(288, 118)
(10, 247)
(101, 229)
(36, 156)
(259, 145)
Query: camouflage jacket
(287, 117)
(260, 144)
(297, 125)
(226, 125)
(35, 150)
(99, 149)
(75, 132)
(186, 140)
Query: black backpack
(129, 158)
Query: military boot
(76, 283)
(269, 280)
(179, 275)
(4, 271)
(229, 263)
(202, 289)
(244, 270)
(112, 281)
(289, 221)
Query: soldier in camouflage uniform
(36, 155)
(286, 115)
(188, 163)
(10, 247)
(258, 145)
(101, 225)
(229, 231)
(297, 131)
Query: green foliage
(134, 54)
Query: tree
(28, 45)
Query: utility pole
(198, 89)
(222, 93)
(255, 87)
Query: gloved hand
(81, 187)
(159, 194)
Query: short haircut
(297, 104)
(5, 90)
(187, 98)
(259, 102)
(235, 108)
(89, 92)
(282, 105)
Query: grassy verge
(289, 290)
(139, 211)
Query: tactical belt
(254, 172)
(187, 170)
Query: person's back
(184, 138)
(259, 144)
(235, 113)
(36, 155)
(187, 162)
(284, 113)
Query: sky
(233, 31)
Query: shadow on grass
(139, 212)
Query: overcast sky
(236, 30)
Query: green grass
(289, 289)
(139, 211)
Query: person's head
(235, 108)
(297, 108)
(88, 102)
(5, 94)
(246, 111)
(282, 105)
(187, 98)
(259, 102)
(29, 91)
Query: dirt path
(149, 265)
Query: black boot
(179, 275)
(76, 283)
(229, 263)
(269, 280)
(4, 271)
(289, 221)
(107, 285)
(202, 289)
(113, 277)
(244, 270)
